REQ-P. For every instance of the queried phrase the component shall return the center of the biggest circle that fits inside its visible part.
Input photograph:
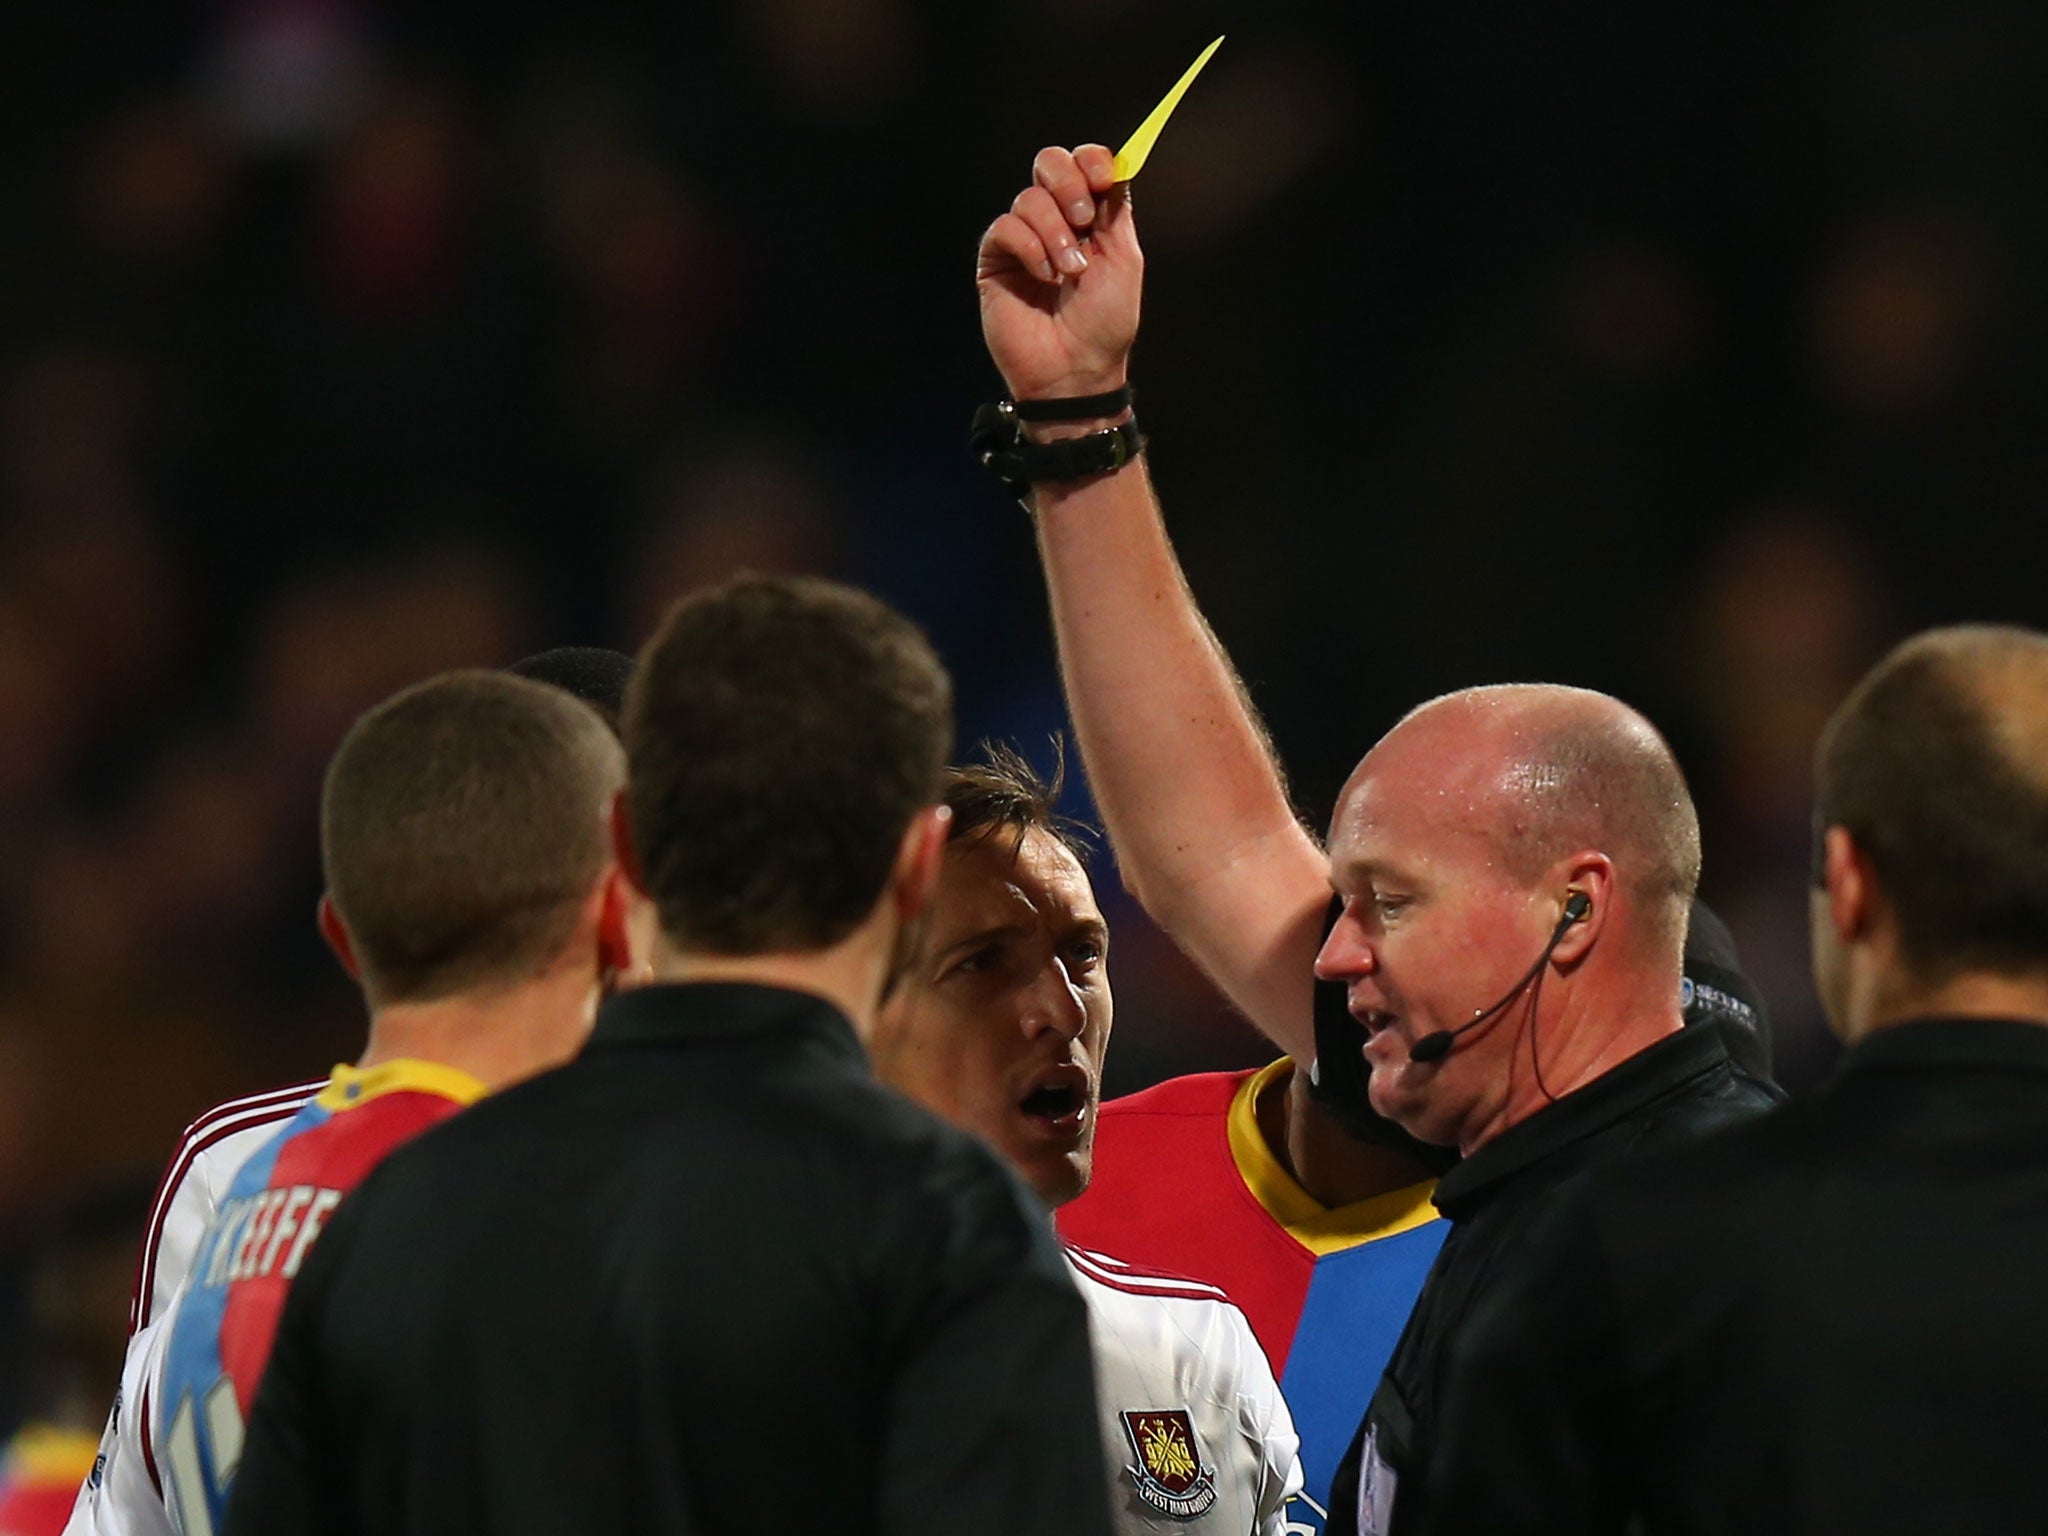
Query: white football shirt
(209, 1155)
(124, 1494)
(1194, 1430)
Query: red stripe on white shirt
(149, 1444)
(1119, 1276)
(218, 1123)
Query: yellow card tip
(1131, 158)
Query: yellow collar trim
(42, 1453)
(351, 1087)
(1310, 1223)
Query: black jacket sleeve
(1531, 1440)
(991, 1408)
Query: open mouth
(1057, 1099)
(1052, 1102)
(1376, 1021)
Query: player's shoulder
(1197, 1095)
(208, 1154)
(1101, 1275)
(364, 1113)
(842, 1141)
(229, 1131)
(220, 1144)
(284, 1100)
(1189, 1319)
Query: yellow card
(1131, 158)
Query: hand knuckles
(1020, 239)
(1038, 209)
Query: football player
(999, 1022)
(471, 893)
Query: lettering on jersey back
(267, 1233)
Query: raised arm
(1195, 803)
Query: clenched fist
(1060, 277)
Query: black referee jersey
(1828, 1321)
(710, 1277)
(1678, 1090)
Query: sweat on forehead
(1540, 771)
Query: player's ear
(1850, 880)
(614, 924)
(919, 858)
(624, 853)
(335, 932)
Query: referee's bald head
(462, 828)
(1542, 769)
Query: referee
(1831, 1319)
(710, 1277)
(1515, 864)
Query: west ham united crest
(1169, 1473)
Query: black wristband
(1074, 407)
(999, 443)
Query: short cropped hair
(593, 674)
(1000, 791)
(1937, 765)
(783, 732)
(462, 826)
(1622, 790)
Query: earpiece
(1437, 1044)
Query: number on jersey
(199, 1474)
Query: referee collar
(1921, 1044)
(1657, 1072)
(723, 1013)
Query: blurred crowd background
(1692, 352)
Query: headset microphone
(1437, 1044)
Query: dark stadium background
(1691, 351)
